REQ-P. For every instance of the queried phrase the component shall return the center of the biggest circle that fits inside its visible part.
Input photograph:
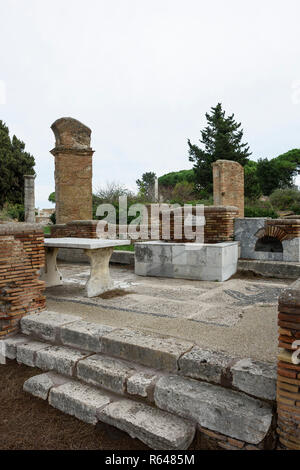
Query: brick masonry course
(288, 370)
(21, 258)
(219, 226)
(228, 183)
(73, 170)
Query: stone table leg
(50, 274)
(99, 280)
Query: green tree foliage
(14, 164)
(252, 186)
(146, 185)
(171, 179)
(286, 200)
(279, 172)
(183, 193)
(51, 198)
(222, 139)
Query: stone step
(155, 351)
(213, 407)
(218, 409)
(112, 374)
(276, 269)
(158, 429)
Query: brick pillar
(288, 371)
(229, 184)
(29, 199)
(73, 170)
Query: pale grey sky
(142, 74)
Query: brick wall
(21, 257)
(76, 228)
(219, 225)
(288, 375)
(283, 229)
(228, 178)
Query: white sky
(142, 73)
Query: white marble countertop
(83, 243)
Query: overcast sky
(142, 73)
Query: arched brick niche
(268, 239)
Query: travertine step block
(79, 400)
(105, 372)
(150, 350)
(156, 428)
(10, 345)
(40, 385)
(204, 364)
(26, 353)
(142, 384)
(255, 378)
(59, 359)
(218, 409)
(84, 335)
(45, 325)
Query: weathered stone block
(158, 429)
(216, 408)
(10, 345)
(26, 353)
(150, 350)
(45, 325)
(60, 359)
(203, 364)
(104, 372)
(84, 335)
(255, 377)
(141, 384)
(40, 385)
(78, 400)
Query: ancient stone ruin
(73, 170)
(29, 198)
(228, 179)
(162, 389)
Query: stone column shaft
(29, 198)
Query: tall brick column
(229, 184)
(73, 170)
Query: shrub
(183, 192)
(53, 218)
(286, 199)
(171, 179)
(13, 212)
(257, 211)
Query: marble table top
(83, 243)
